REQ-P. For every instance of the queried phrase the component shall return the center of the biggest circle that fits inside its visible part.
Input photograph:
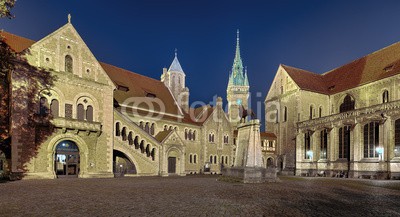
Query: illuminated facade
(343, 123)
(109, 121)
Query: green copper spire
(237, 76)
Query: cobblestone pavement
(199, 196)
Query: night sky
(141, 35)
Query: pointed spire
(175, 65)
(69, 18)
(237, 67)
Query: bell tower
(238, 87)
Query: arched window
(190, 158)
(68, 63)
(165, 127)
(130, 138)
(152, 129)
(385, 96)
(285, 114)
(44, 106)
(153, 154)
(211, 159)
(194, 135)
(371, 140)
(347, 105)
(324, 144)
(80, 112)
(136, 142)
(123, 134)
(148, 150)
(142, 146)
(89, 113)
(141, 125)
(147, 127)
(222, 160)
(277, 116)
(117, 129)
(195, 159)
(54, 108)
(190, 135)
(186, 134)
(311, 111)
(226, 160)
(215, 159)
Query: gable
(51, 53)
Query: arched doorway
(122, 164)
(67, 159)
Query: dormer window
(388, 68)
(151, 95)
(122, 88)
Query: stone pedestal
(248, 166)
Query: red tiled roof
(16, 43)
(372, 67)
(140, 86)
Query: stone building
(107, 121)
(344, 122)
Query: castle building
(87, 118)
(343, 123)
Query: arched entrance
(122, 164)
(67, 159)
(174, 161)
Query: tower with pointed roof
(174, 79)
(238, 86)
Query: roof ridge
(358, 59)
(314, 73)
(3, 31)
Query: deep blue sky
(141, 35)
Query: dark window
(194, 135)
(68, 111)
(222, 159)
(226, 160)
(153, 153)
(344, 142)
(397, 138)
(371, 140)
(211, 159)
(347, 105)
(190, 159)
(186, 134)
(44, 106)
(142, 146)
(320, 111)
(147, 127)
(307, 145)
(148, 150)
(152, 129)
(54, 108)
(136, 142)
(89, 113)
(80, 112)
(190, 135)
(311, 112)
(195, 159)
(215, 159)
(385, 96)
(68, 63)
(324, 144)
(123, 133)
(117, 129)
(130, 138)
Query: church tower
(174, 79)
(238, 87)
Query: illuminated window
(397, 138)
(307, 145)
(324, 144)
(371, 140)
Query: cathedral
(342, 123)
(73, 116)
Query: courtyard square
(199, 195)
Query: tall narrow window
(80, 112)
(311, 112)
(68, 63)
(397, 138)
(190, 135)
(344, 142)
(130, 138)
(285, 114)
(147, 127)
(195, 159)
(54, 108)
(194, 135)
(190, 158)
(152, 129)
(117, 129)
(385, 96)
(186, 134)
(123, 133)
(89, 113)
(277, 116)
(215, 159)
(68, 110)
(44, 106)
(371, 140)
(307, 145)
(347, 105)
(211, 159)
(320, 111)
(324, 144)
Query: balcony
(354, 116)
